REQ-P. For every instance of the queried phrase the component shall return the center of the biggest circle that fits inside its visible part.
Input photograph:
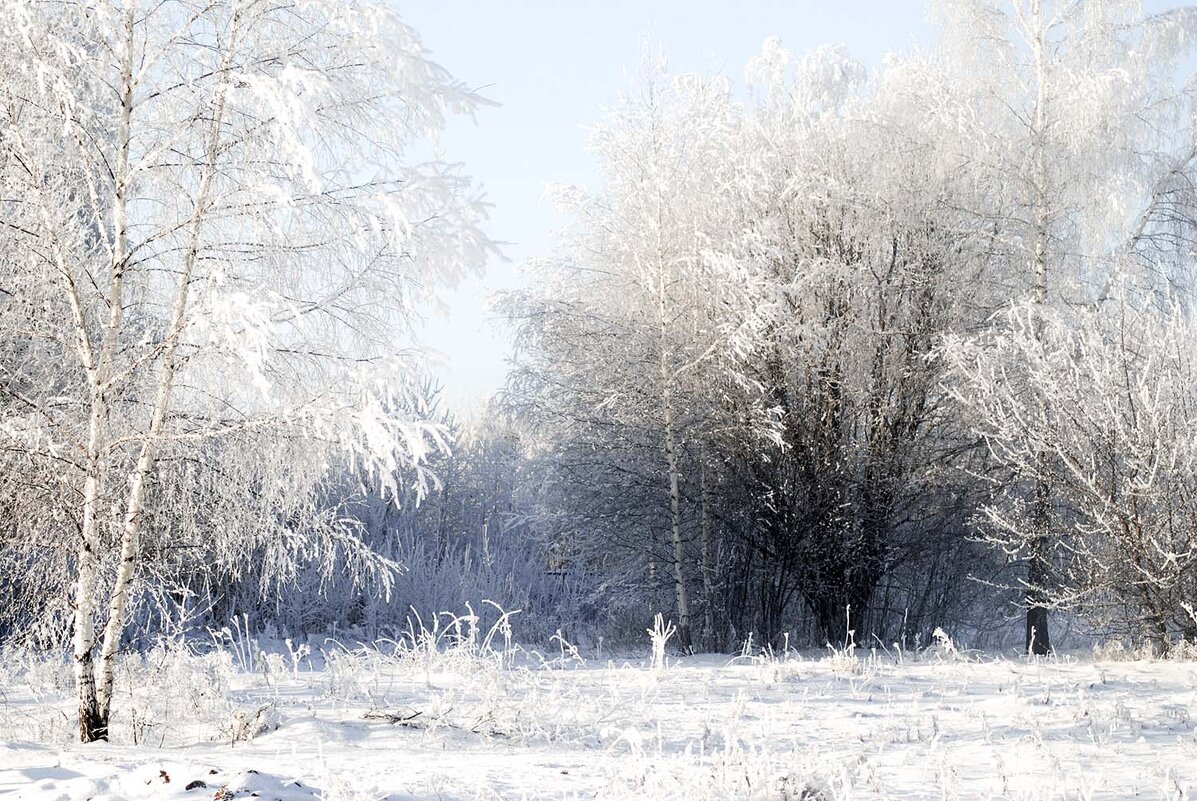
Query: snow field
(454, 719)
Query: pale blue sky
(554, 67)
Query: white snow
(475, 725)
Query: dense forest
(830, 355)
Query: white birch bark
(671, 461)
(135, 502)
(1038, 640)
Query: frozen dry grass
(453, 710)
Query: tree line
(863, 354)
(836, 356)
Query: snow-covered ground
(475, 723)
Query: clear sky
(553, 66)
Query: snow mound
(160, 781)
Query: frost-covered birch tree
(212, 228)
(1078, 119)
(1102, 409)
(638, 320)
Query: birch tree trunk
(93, 715)
(708, 570)
(1038, 640)
(675, 510)
(97, 706)
(91, 727)
(675, 502)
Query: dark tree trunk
(93, 721)
(1038, 639)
